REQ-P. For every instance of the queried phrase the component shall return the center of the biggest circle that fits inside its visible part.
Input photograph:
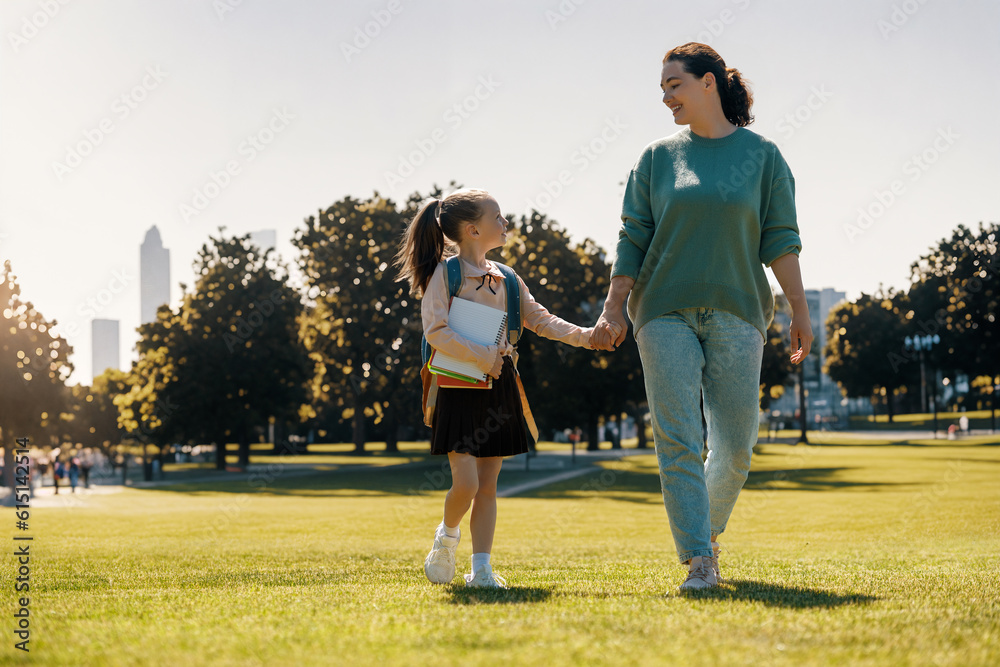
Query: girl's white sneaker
(439, 566)
(484, 577)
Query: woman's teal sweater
(700, 220)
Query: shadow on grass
(643, 487)
(513, 595)
(776, 595)
(804, 479)
(416, 479)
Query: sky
(117, 115)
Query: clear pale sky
(114, 114)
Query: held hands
(609, 332)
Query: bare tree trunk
(359, 428)
(391, 428)
(220, 452)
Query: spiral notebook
(478, 323)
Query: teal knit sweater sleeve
(779, 232)
(638, 225)
(701, 218)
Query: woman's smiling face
(683, 93)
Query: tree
(227, 361)
(776, 367)
(34, 365)
(863, 342)
(955, 293)
(360, 316)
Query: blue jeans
(687, 354)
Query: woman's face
(684, 94)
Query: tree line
(338, 355)
(953, 295)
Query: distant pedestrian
(963, 423)
(86, 463)
(58, 473)
(74, 473)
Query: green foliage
(363, 331)
(955, 293)
(776, 366)
(34, 365)
(227, 360)
(863, 340)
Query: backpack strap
(514, 325)
(454, 267)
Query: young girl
(475, 428)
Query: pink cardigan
(476, 286)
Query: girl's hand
(609, 332)
(497, 366)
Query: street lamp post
(923, 344)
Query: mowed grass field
(853, 555)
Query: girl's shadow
(776, 595)
(460, 594)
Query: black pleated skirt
(481, 422)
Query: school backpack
(514, 326)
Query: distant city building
(264, 239)
(154, 275)
(104, 345)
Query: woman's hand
(607, 334)
(611, 327)
(802, 336)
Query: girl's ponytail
(437, 224)
(421, 249)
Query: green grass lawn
(834, 555)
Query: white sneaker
(700, 574)
(439, 566)
(485, 578)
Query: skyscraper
(154, 275)
(104, 345)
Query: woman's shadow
(461, 594)
(776, 595)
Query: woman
(704, 211)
